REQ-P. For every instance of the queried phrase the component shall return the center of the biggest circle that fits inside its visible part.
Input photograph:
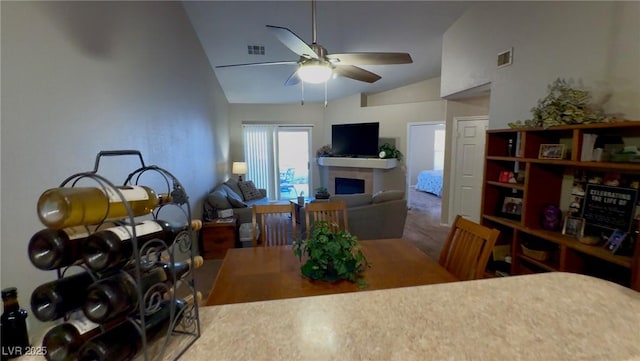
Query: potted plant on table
(331, 255)
(322, 193)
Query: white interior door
(468, 165)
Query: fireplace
(349, 185)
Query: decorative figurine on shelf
(551, 218)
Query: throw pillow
(249, 190)
(218, 199)
(234, 198)
(233, 185)
(385, 196)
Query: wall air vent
(255, 49)
(505, 58)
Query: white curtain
(260, 156)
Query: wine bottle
(53, 300)
(117, 295)
(63, 341)
(54, 248)
(13, 326)
(113, 246)
(124, 341)
(182, 269)
(67, 207)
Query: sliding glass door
(278, 158)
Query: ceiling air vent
(255, 49)
(505, 58)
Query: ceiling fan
(316, 65)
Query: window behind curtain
(438, 150)
(258, 153)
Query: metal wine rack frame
(185, 324)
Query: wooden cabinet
(218, 236)
(544, 182)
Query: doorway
(467, 166)
(425, 154)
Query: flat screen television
(355, 139)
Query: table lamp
(239, 168)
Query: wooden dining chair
(276, 222)
(333, 212)
(466, 251)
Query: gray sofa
(239, 196)
(377, 216)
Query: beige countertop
(551, 316)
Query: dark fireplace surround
(349, 185)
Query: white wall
(595, 42)
(80, 77)
(423, 91)
(393, 121)
(393, 124)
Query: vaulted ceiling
(227, 28)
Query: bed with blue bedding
(430, 181)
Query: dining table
(271, 273)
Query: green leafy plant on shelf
(331, 255)
(564, 104)
(389, 151)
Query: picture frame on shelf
(551, 151)
(573, 226)
(511, 206)
(607, 207)
(615, 240)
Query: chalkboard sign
(609, 207)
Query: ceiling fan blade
(256, 64)
(353, 72)
(370, 58)
(293, 79)
(293, 41)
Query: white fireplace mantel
(375, 163)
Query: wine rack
(183, 322)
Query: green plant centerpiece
(387, 151)
(330, 255)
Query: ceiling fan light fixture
(315, 73)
